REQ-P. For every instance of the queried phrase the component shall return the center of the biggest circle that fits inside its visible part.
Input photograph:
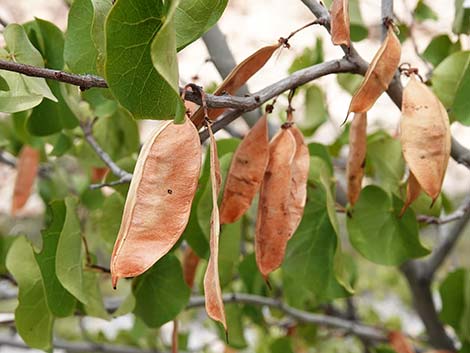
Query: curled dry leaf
(273, 228)
(299, 177)
(237, 78)
(212, 291)
(27, 170)
(357, 156)
(425, 137)
(379, 74)
(190, 262)
(246, 172)
(159, 199)
(340, 34)
(400, 343)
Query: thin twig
(87, 128)
(462, 211)
(3, 22)
(83, 81)
(369, 332)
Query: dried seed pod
(159, 199)
(379, 74)
(190, 262)
(212, 291)
(27, 169)
(357, 156)
(425, 136)
(299, 177)
(340, 33)
(246, 172)
(237, 78)
(412, 192)
(273, 228)
(400, 343)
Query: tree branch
(298, 78)
(442, 251)
(10, 160)
(124, 177)
(462, 211)
(83, 81)
(224, 62)
(78, 347)
(369, 332)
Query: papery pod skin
(27, 169)
(159, 200)
(340, 32)
(379, 74)
(190, 263)
(299, 178)
(412, 192)
(273, 228)
(212, 291)
(357, 156)
(237, 78)
(425, 136)
(400, 343)
(246, 172)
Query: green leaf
(358, 30)
(282, 345)
(62, 143)
(309, 57)
(233, 313)
(315, 110)
(229, 251)
(110, 220)
(59, 300)
(320, 151)
(91, 286)
(455, 295)
(250, 275)
(384, 160)
(311, 255)
(440, 48)
(4, 84)
(451, 81)
(84, 40)
(423, 12)
(349, 82)
(461, 23)
(195, 17)
(25, 92)
(69, 256)
(5, 243)
(131, 28)
(49, 117)
(161, 292)
(33, 319)
(461, 106)
(163, 51)
(379, 234)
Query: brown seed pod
(27, 169)
(273, 228)
(357, 156)
(237, 78)
(190, 262)
(299, 177)
(246, 172)
(412, 192)
(379, 74)
(212, 291)
(159, 199)
(400, 343)
(340, 33)
(425, 136)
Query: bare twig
(442, 251)
(83, 81)
(369, 332)
(3, 22)
(10, 160)
(462, 211)
(87, 128)
(77, 347)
